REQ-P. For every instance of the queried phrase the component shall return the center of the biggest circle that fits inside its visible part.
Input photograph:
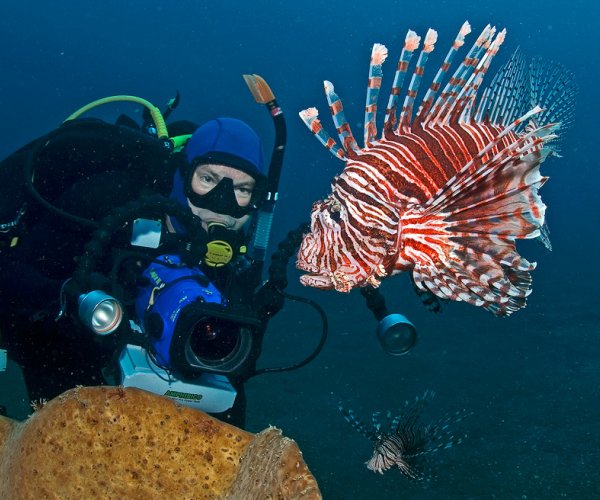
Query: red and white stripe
(445, 194)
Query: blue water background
(531, 380)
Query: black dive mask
(221, 199)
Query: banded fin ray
(403, 440)
(447, 191)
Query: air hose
(157, 117)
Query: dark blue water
(531, 380)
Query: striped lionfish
(400, 441)
(444, 193)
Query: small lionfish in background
(446, 191)
(400, 441)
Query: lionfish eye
(335, 215)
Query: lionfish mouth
(317, 281)
(323, 278)
(339, 280)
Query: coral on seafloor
(111, 442)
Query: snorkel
(262, 230)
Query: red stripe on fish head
(346, 246)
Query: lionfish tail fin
(462, 241)
(519, 86)
(553, 88)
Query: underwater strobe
(396, 334)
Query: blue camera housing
(172, 285)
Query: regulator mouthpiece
(396, 334)
(100, 312)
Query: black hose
(276, 284)
(317, 350)
(281, 256)
(29, 171)
(117, 218)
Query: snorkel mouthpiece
(223, 245)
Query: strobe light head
(396, 334)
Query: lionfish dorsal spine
(357, 424)
(407, 108)
(339, 119)
(470, 90)
(443, 70)
(411, 43)
(378, 56)
(310, 118)
(395, 422)
(440, 111)
(375, 421)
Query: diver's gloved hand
(269, 299)
(432, 302)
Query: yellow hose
(179, 141)
(157, 118)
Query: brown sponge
(111, 442)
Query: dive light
(100, 312)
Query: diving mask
(221, 199)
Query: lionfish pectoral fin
(544, 236)
(357, 424)
(462, 241)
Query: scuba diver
(153, 241)
(133, 255)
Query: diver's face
(206, 177)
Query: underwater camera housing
(195, 339)
(188, 323)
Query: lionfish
(402, 440)
(446, 191)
